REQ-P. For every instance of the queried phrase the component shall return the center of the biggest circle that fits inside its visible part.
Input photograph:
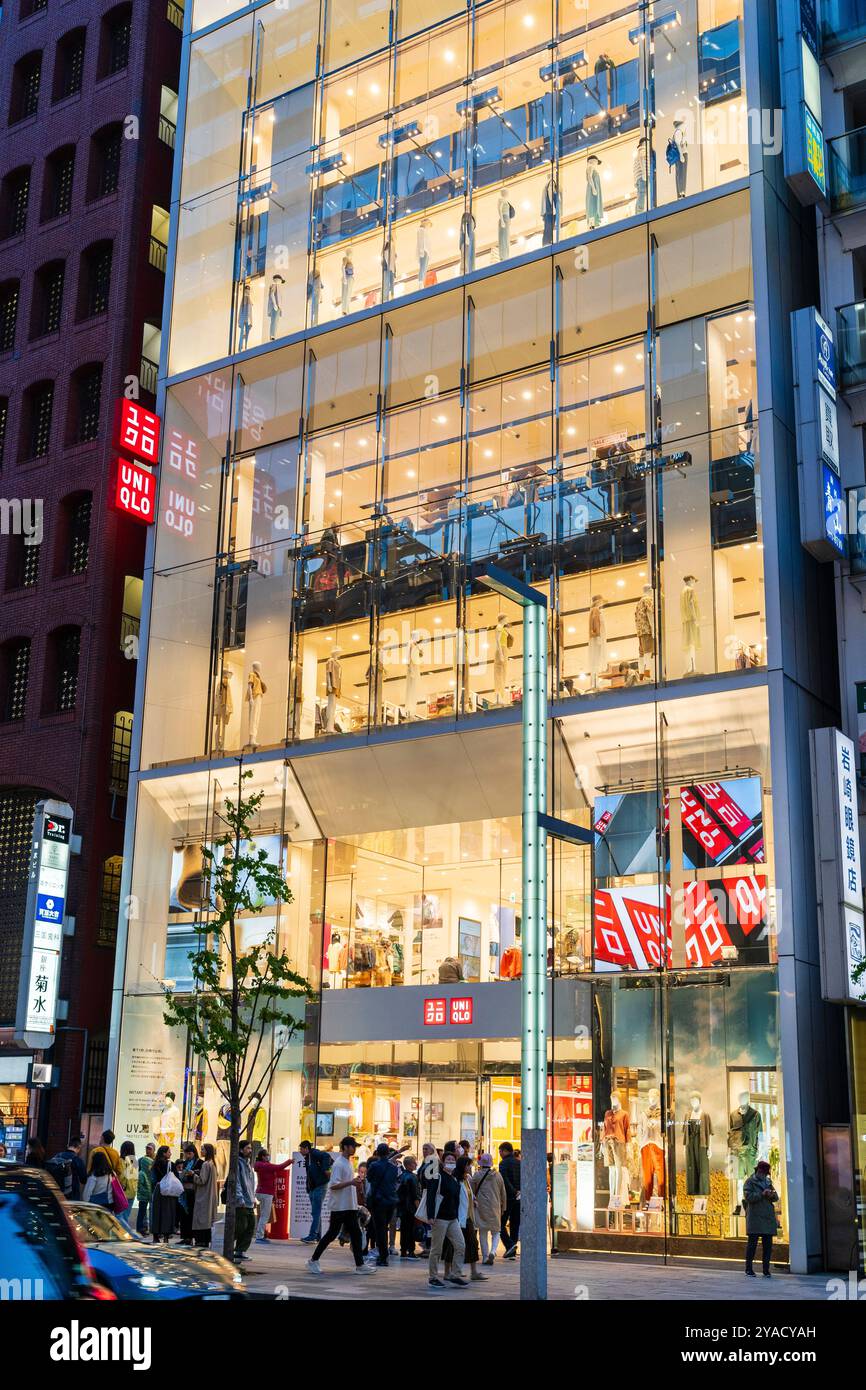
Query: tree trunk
(232, 1184)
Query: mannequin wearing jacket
(597, 639)
(613, 1139)
(652, 1159)
(697, 1137)
(467, 243)
(594, 193)
(503, 225)
(501, 639)
(690, 617)
(644, 626)
(223, 708)
(422, 249)
(256, 690)
(549, 211)
(333, 688)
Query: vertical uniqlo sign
(136, 431)
(133, 492)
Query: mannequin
(336, 968)
(467, 243)
(223, 708)
(389, 269)
(245, 316)
(333, 688)
(690, 614)
(597, 639)
(745, 1129)
(347, 272)
(502, 641)
(613, 1140)
(413, 674)
(679, 143)
(275, 304)
(382, 963)
(316, 291)
(697, 1140)
(167, 1125)
(639, 169)
(594, 193)
(652, 1158)
(504, 214)
(256, 688)
(644, 626)
(223, 1143)
(422, 246)
(549, 211)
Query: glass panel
(205, 253)
(217, 95)
(511, 322)
(288, 41)
(343, 375)
(703, 259)
(603, 292)
(354, 28)
(424, 346)
(332, 652)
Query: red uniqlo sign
(438, 1012)
(461, 1010)
(133, 492)
(136, 431)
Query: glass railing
(842, 22)
(848, 171)
(851, 341)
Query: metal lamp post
(533, 1047)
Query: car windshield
(93, 1224)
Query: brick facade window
(69, 65)
(58, 182)
(10, 293)
(47, 304)
(24, 97)
(114, 41)
(14, 676)
(14, 197)
(94, 280)
(61, 688)
(84, 403)
(105, 151)
(38, 408)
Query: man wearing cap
(759, 1196)
(343, 1189)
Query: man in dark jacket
(383, 1176)
(317, 1164)
(408, 1195)
(759, 1196)
(509, 1167)
(71, 1169)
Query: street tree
(241, 999)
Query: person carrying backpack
(318, 1166)
(68, 1170)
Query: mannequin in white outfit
(256, 688)
(333, 688)
(597, 639)
(690, 614)
(413, 674)
(422, 246)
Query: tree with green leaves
(240, 998)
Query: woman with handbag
(167, 1187)
(98, 1189)
(190, 1163)
(129, 1181)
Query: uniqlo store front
(666, 1079)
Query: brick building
(88, 95)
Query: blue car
(134, 1268)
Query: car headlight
(150, 1282)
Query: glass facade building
(451, 287)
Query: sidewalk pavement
(280, 1268)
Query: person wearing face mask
(443, 1211)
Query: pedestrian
(204, 1209)
(35, 1155)
(69, 1170)
(443, 1211)
(490, 1204)
(97, 1188)
(266, 1188)
(408, 1195)
(759, 1196)
(468, 1219)
(106, 1146)
(383, 1177)
(144, 1190)
(129, 1181)
(163, 1207)
(190, 1162)
(509, 1167)
(343, 1190)
(245, 1209)
(317, 1164)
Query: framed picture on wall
(469, 947)
(430, 911)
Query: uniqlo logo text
(137, 431)
(434, 1012)
(461, 1010)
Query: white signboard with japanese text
(43, 925)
